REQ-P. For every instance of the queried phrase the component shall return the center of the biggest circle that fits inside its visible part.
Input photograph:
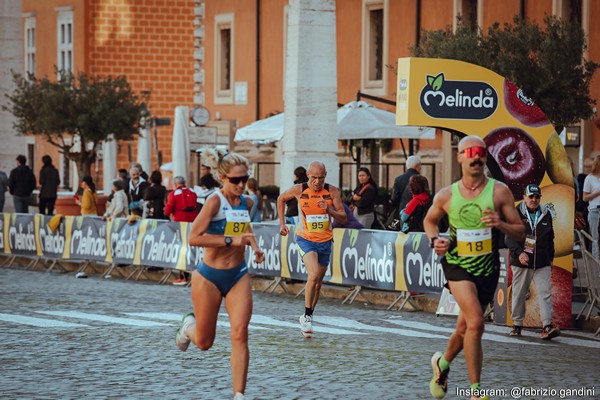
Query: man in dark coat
(21, 183)
(400, 193)
(532, 260)
(49, 182)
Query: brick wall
(151, 42)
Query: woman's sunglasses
(237, 179)
(471, 152)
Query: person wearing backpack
(182, 202)
(413, 214)
(182, 206)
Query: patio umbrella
(362, 120)
(181, 143)
(144, 150)
(355, 120)
(264, 131)
(109, 164)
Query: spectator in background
(143, 173)
(118, 207)
(256, 196)
(208, 184)
(155, 196)
(137, 188)
(591, 194)
(179, 207)
(581, 206)
(3, 189)
(182, 206)
(49, 182)
(532, 259)
(89, 196)
(351, 222)
(21, 183)
(400, 192)
(209, 180)
(363, 198)
(413, 214)
(291, 210)
(124, 177)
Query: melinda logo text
(458, 99)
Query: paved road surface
(68, 338)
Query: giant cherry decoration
(518, 157)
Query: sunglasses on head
(471, 152)
(534, 196)
(237, 179)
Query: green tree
(76, 113)
(547, 63)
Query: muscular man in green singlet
(479, 208)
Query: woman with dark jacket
(155, 196)
(363, 198)
(49, 182)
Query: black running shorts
(486, 285)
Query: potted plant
(76, 113)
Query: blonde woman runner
(223, 229)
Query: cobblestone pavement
(68, 338)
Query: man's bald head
(317, 168)
(470, 141)
(316, 175)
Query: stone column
(11, 59)
(310, 90)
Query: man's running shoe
(182, 339)
(306, 326)
(516, 331)
(438, 386)
(550, 332)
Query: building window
(224, 61)
(468, 11)
(65, 42)
(30, 45)
(573, 11)
(374, 52)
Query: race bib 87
(237, 222)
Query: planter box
(66, 205)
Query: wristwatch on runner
(432, 241)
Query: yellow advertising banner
(523, 146)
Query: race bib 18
(474, 242)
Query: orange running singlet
(315, 223)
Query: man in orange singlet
(318, 202)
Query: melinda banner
(19, 234)
(162, 244)
(85, 239)
(49, 244)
